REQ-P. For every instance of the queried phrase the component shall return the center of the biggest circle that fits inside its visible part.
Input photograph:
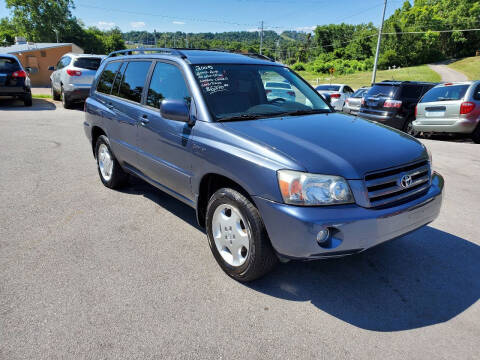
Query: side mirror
(28, 69)
(176, 110)
(51, 68)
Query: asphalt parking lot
(88, 272)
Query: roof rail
(166, 51)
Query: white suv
(72, 77)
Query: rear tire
(27, 100)
(65, 101)
(55, 95)
(408, 128)
(476, 135)
(110, 171)
(237, 236)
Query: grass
(359, 79)
(41, 96)
(469, 66)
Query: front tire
(110, 171)
(237, 236)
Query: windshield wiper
(242, 117)
(445, 99)
(303, 112)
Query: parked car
(269, 179)
(72, 77)
(450, 108)
(279, 90)
(353, 103)
(393, 103)
(14, 79)
(338, 93)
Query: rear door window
(8, 65)
(87, 63)
(167, 83)
(108, 76)
(133, 81)
(118, 79)
(445, 93)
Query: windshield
(359, 93)
(277, 85)
(8, 65)
(87, 63)
(328, 87)
(445, 93)
(382, 91)
(236, 92)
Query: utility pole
(186, 40)
(378, 43)
(261, 38)
(174, 40)
(56, 33)
(276, 50)
(165, 40)
(154, 38)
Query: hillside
(470, 66)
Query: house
(39, 57)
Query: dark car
(269, 179)
(14, 80)
(393, 103)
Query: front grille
(385, 187)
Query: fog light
(323, 236)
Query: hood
(333, 144)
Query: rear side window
(445, 93)
(167, 83)
(118, 79)
(383, 90)
(8, 65)
(359, 93)
(108, 76)
(134, 80)
(87, 63)
(411, 91)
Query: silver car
(354, 102)
(450, 108)
(279, 90)
(72, 77)
(338, 93)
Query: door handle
(144, 120)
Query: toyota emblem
(406, 181)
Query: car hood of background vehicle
(333, 144)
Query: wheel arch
(209, 184)
(97, 131)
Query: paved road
(447, 73)
(87, 272)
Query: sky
(225, 15)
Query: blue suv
(270, 177)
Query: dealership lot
(94, 273)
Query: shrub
(299, 66)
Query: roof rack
(166, 51)
(179, 52)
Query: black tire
(67, 104)
(27, 99)
(55, 95)
(408, 128)
(476, 135)
(118, 177)
(261, 257)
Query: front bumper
(293, 229)
(460, 126)
(76, 92)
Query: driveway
(88, 272)
(447, 73)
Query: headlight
(299, 188)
